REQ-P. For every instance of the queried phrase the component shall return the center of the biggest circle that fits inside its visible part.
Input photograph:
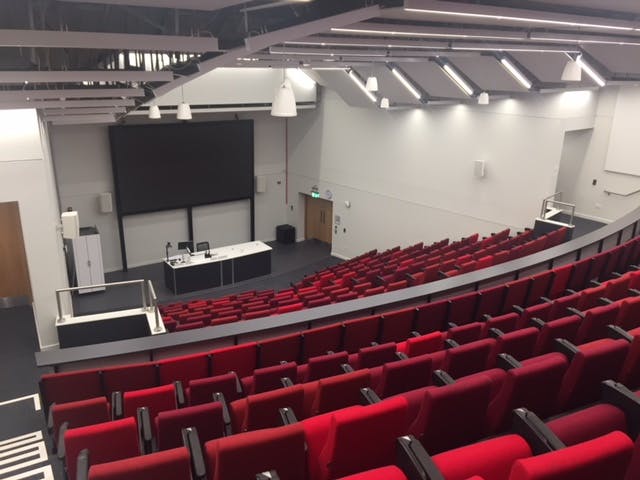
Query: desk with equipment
(217, 267)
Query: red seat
(183, 368)
(579, 273)
(374, 356)
(466, 333)
(339, 391)
(490, 301)
(516, 294)
(390, 472)
(397, 326)
(106, 442)
(174, 464)
(539, 287)
(79, 414)
(243, 456)
(470, 358)
(593, 363)
(269, 378)
(629, 314)
(206, 418)
(594, 324)
(129, 377)
(402, 376)
(588, 423)
(241, 359)
(201, 390)
(462, 308)
(429, 343)
(318, 341)
(560, 280)
(519, 344)
(71, 386)
(566, 328)
(431, 317)
(323, 366)
(360, 333)
(604, 457)
(189, 326)
(261, 410)
(506, 323)
(156, 399)
(630, 373)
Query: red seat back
(206, 418)
(174, 464)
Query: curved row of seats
(368, 275)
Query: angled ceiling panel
(547, 67)
(340, 82)
(433, 80)
(487, 73)
(389, 85)
(619, 59)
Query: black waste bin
(286, 233)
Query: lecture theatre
(320, 240)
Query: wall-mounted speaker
(106, 203)
(70, 225)
(261, 184)
(479, 168)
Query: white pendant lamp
(372, 84)
(284, 102)
(483, 98)
(384, 103)
(154, 112)
(572, 72)
(184, 110)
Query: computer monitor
(185, 245)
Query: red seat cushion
(174, 464)
(206, 418)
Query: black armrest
(409, 278)
(536, 322)
(507, 362)
(539, 437)
(565, 347)
(192, 442)
(226, 416)
(546, 300)
(616, 274)
(368, 396)
(287, 416)
(442, 378)
(414, 461)
(82, 465)
(634, 267)
(606, 301)
(270, 475)
(495, 333)
(575, 311)
(415, 334)
(518, 309)
(451, 325)
(347, 368)
(374, 344)
(617, 394)
(595, 283)
(50, 419)
(180, 401)
(450, 343)
(145, 435)
(634, 291)
(379, 281)
(442, 274)
(570, 291)
(286, 382)
(486, 317)
(117, 410)
(401, 355)
(615, 332)
(61, 450)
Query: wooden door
(318, 219)
(14, 273)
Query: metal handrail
(549, 201)
(144, 293)
(154, 304)
(609, 192)
(544, 202)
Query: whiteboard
(623, 155)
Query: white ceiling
(470, 35)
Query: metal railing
(148, 298)
(611, 192)
(550, 203)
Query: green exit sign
(315, 194)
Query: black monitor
(186, 245)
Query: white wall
(26, 176)
(409, 174)
(83, 166)
(592, 201)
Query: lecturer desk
(226, 266)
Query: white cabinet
(87, 256)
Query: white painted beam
(112, 41)
(58, 112)
(60, 76)
(116, 102)
(17, 95)
(399, 31)
(205, 5)
(82, 119)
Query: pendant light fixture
(572, 71)
(284, 102)
(184, 110)
(384, 103)
(372, 84)
(154, 112)
(483, 98)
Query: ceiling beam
(348, 41)
(400, 30)
(16, 95)
(205, 5)
(82, 119)
(69, 103)
(107, 41)
(58, 112)
(60, 76)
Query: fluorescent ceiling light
(361, 85)
(574, 38)
(368, 43)
(403, 80)
(551, 20)
(589, 70)
(497, 47)
(457, 79)
(517, 74)
(327, 53)
(414, 33)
